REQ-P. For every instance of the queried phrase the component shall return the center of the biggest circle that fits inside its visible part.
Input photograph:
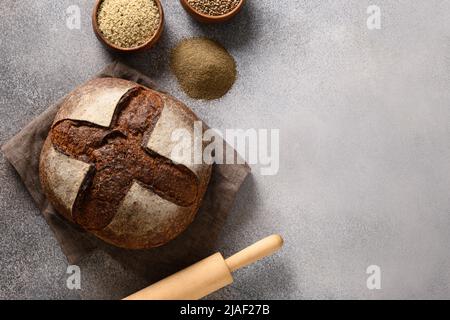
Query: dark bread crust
(118, 157)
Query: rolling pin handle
(255, 252)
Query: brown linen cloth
(197, 242)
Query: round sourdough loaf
(107, 164)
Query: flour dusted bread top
(107, 164)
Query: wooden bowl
(206, 18)
(147, 45)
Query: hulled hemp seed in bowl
(128, 23)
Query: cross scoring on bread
(118, 157)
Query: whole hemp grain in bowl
(214, 7)
(128, 23)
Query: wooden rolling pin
(208, 275)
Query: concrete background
(364, 149)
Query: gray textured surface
(365, 143)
